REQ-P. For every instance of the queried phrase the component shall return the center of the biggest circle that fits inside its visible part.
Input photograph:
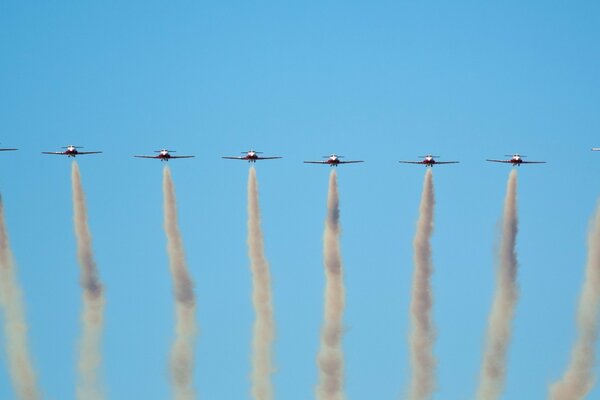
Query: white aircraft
(517, 159)
(595, 148)
(164, 155)
(251, 156)
(71, 151)
(429, 161)
(333, 161)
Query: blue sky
(379, 81)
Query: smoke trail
(330, 358)
(92, 316)
(262, 362)
(578, 380)
(15, 327)
(182, 351)
(422, 334)
(493, 370)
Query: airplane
(71, 151)
(517, 159)
(429, 161)
(8, 149)
(595, 148)
(251, 156)
(333, 161)
(164, 155)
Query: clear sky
(373, 80)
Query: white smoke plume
(331, 358)
(578, 379)
(20, 365)
(422, 335)
(264, 326)
(182, 351)
(493, 369)
(92, 316)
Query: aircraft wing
(8, 149)
(533, 162)
(502, 161)
(350, 162)
(447, 162)
(60, 153)
(267, 158)
(146, 156)
(182, 156)
(411, 162)
(316, 162)
(88, 152)
(235, 158)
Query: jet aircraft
(429, 161)
(333, 161)
(251, 156)
(517, 160)
(164, 155)
(71, 151)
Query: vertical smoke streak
(182, 351)
(493, 370)
(422, 334)
(92, 316)
(331, 358)
(262, 362)
(20, 366)
(578, 379)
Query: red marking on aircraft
(251, 156)
(429, 161)
(164, 155)
(71, 151)
(517, 160)
(333, 161)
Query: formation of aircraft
(251, 156)
(164, 155)
(71, 151)
(517, 160)
(333, 161)
(429, 161)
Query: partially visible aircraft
(164, 155)
(595, 148)
(251, 156)
(71, 151)
(8, 149)
(429, 161)
(517, 159)
(333, 161)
